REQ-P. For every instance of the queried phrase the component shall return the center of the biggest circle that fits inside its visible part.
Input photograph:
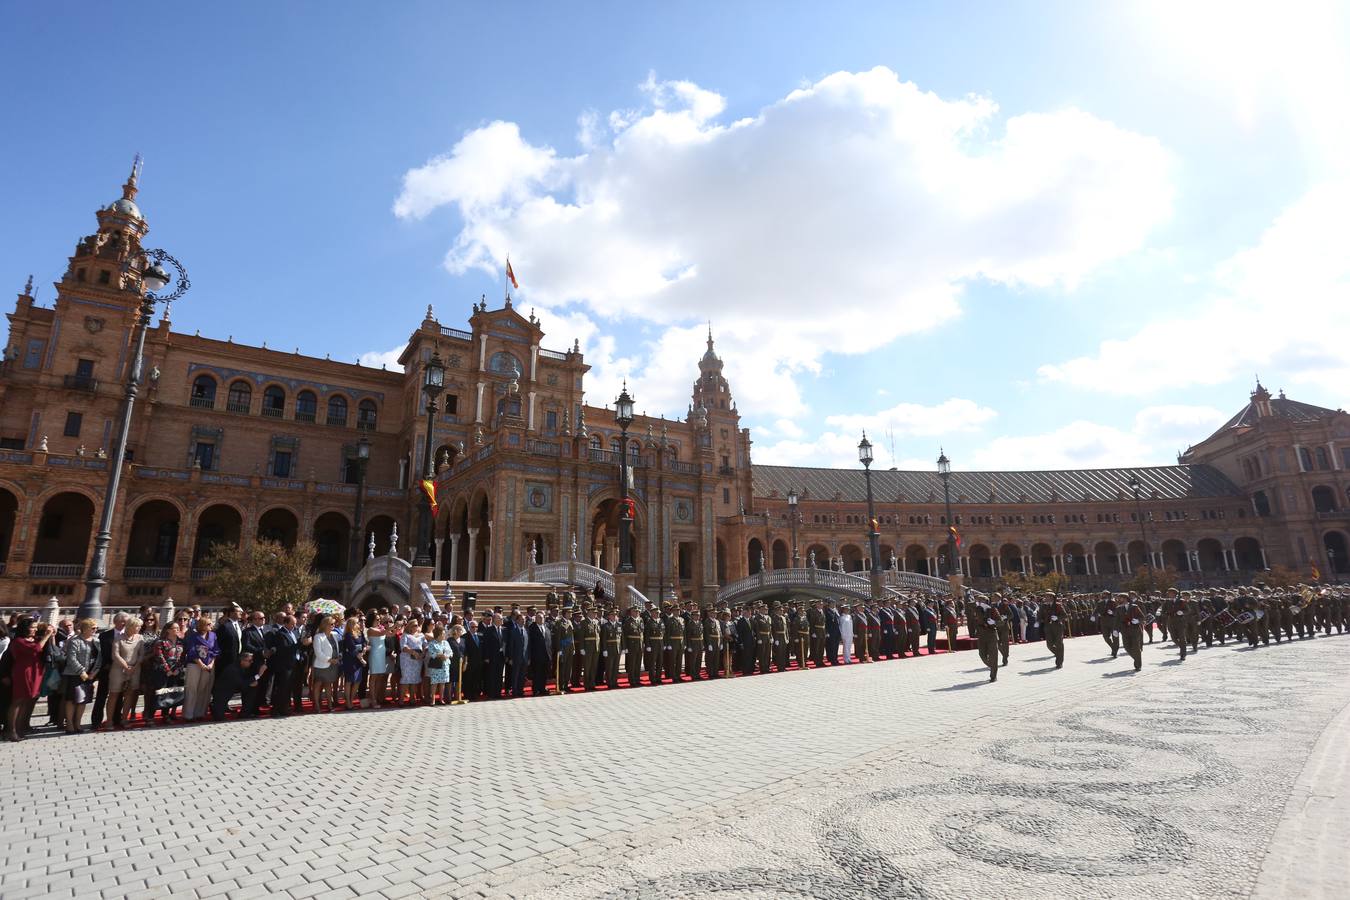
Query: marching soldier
(1004, 627)
(1178, 615)
(987, 636)
(654, 641)
(632, 645)
(1055, 617)
(1131, 617)
(1106, 617)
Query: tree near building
(262, 575)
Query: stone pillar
(53, 611)
(998, 567)
(1335, 460)
(473, 554)
(478, 405)
(1264, 563)
(436, 563)
(454, 558)
(1224, 557)
(487, 559)
(166, 611)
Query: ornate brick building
(231, 442)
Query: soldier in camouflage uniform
(986, 619)
(588, 637)
(693, 641)
(815, 618)
(1107, 620)
(674, 627)
(763, 627)
(1054, 618)
(1131, 617)
(563, 640)
(611, 645)
(780, 636)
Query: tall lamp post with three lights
(623, 417)
(433, 382)
(945, 473)
(873, 536)
(154, 278)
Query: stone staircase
(495, 593)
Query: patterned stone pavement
(1222, 776)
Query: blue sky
(1038, 234)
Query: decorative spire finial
(28, 287)
(133, 180)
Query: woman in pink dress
(25, 674)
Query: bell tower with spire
(711, 390)
(720, 436)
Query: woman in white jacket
(846, 633)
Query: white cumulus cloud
(846, 214)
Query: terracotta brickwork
(229, 442)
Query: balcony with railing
(684, 468)
(147, 573)
(363, 424)
(336, 421)
(274, 412)
(725, 470)
(333, 576)
(202, 402)
(237, 406)
(80, 383)
(56, 570)
(305, 415)
(456, 333)
(202, 573)
(553, 354)
(543, 448)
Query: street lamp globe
(865, 450)
(433, 376)
(1133, 483)
(363, 448)
(155, 278)
(943, 463)
(792, 498)
(623, 408)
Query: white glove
(583, 652)
(989, 621)
(1054, 618)
(649, 649)
(667, 646)
(604, 653)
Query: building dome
(125, 207)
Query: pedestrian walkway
(900, 778)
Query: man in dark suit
(492, 642)
(106, 637)
(254, 642)
(745, 644)
(230, 635)
(473, 661)
(516, 644)
(283, 643)
(540, 657)
(832, 635)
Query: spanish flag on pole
(429, 488)
(956, 535)
(1316, 573)
(511, 275)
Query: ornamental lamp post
(433, 382)
(362, 458)
(873, 536)
(154, 278)
(623, 416)
(792, 519)
(1135, 486)
(945, 473)
(1331, 564)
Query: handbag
(51, 680)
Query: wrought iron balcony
(80, 383)
(202, 402)
(147, 573)
(56, 570)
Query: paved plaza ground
(1227, 775)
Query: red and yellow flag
(429, 488)
(1316, 573)
(511, 275)
(956, 535)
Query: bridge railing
(568, 572)
(391, 569)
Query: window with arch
(274, 402)
(596, 444)
(203, 392)
(1323, 460)
(306, 406)
(1305, 459)
(366, 415)
(337, 410)
(239, 398)
(1324, 499)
